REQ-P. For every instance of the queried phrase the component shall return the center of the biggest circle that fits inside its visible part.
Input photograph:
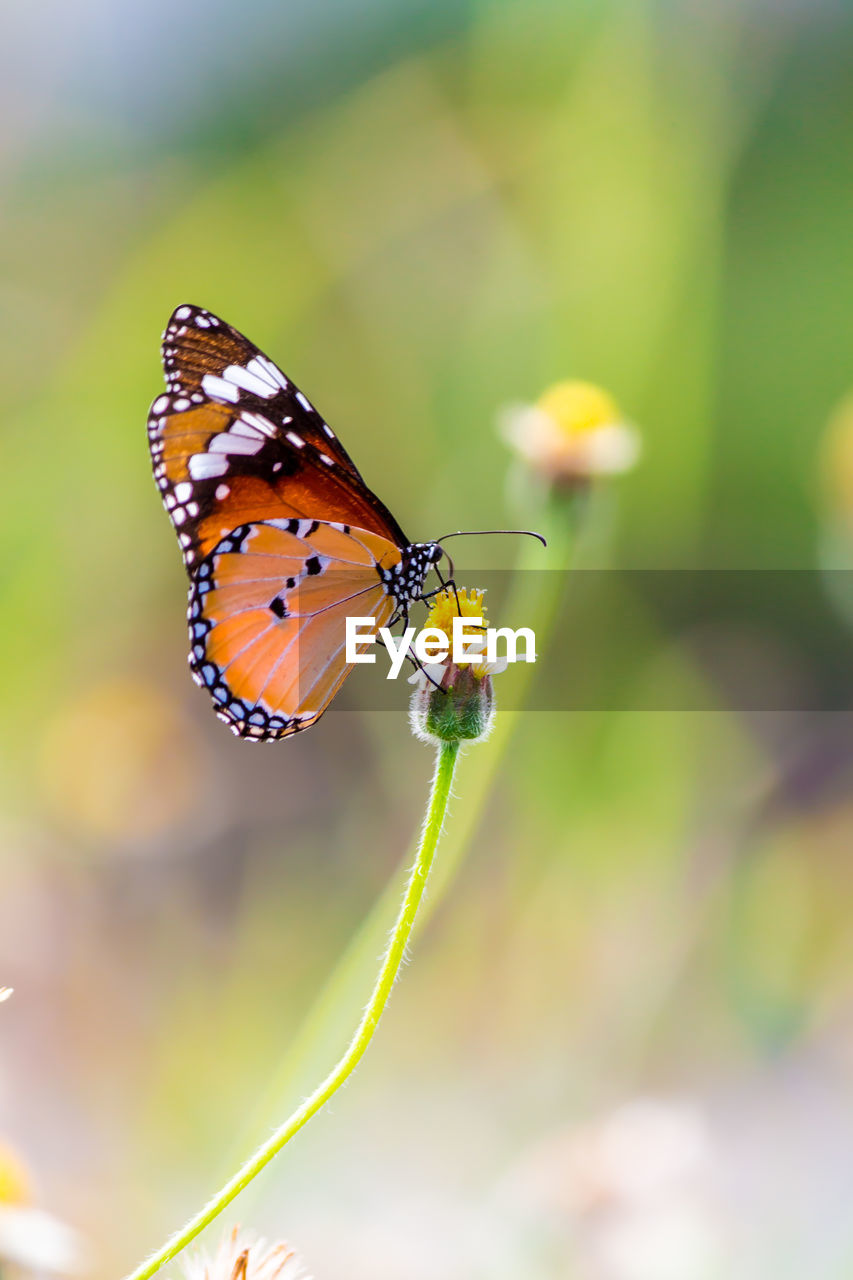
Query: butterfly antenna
(480, 533)
(452, 572)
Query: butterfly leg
(449, 584)
(445, 584)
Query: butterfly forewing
(224, 455)
(203, 356)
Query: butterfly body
(280, 536)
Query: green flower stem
(535, 599)
(430, 835)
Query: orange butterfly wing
(267, 619)
(280, 535)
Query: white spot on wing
(242, 427)
(258, 421)
(183, 491)
(228, 443)
(246, 378)
(295, 439)
(202, 466)
(219, 389)
(222, 492)
(269, 369)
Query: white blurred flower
(241, 1259)
(573, 433)
(36, 1240)
(639, 1152)
(677, 1239)
(29, 1237)
(635, 1190)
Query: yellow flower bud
(452, 701)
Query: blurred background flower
(242, 1258)
(121, 765)
(427, 211)
(31, 1240)
(572, 434)
(632, 1195)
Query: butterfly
(280, 536)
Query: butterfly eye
(434, 553)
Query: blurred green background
(425, 211)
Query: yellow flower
(578, 406)
(444, 608)
(454, 701)
(573, 433)
(463, 603)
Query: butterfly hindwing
(267, 619)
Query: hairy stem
(400, 934)
(535, 597)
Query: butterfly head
(405, 579)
